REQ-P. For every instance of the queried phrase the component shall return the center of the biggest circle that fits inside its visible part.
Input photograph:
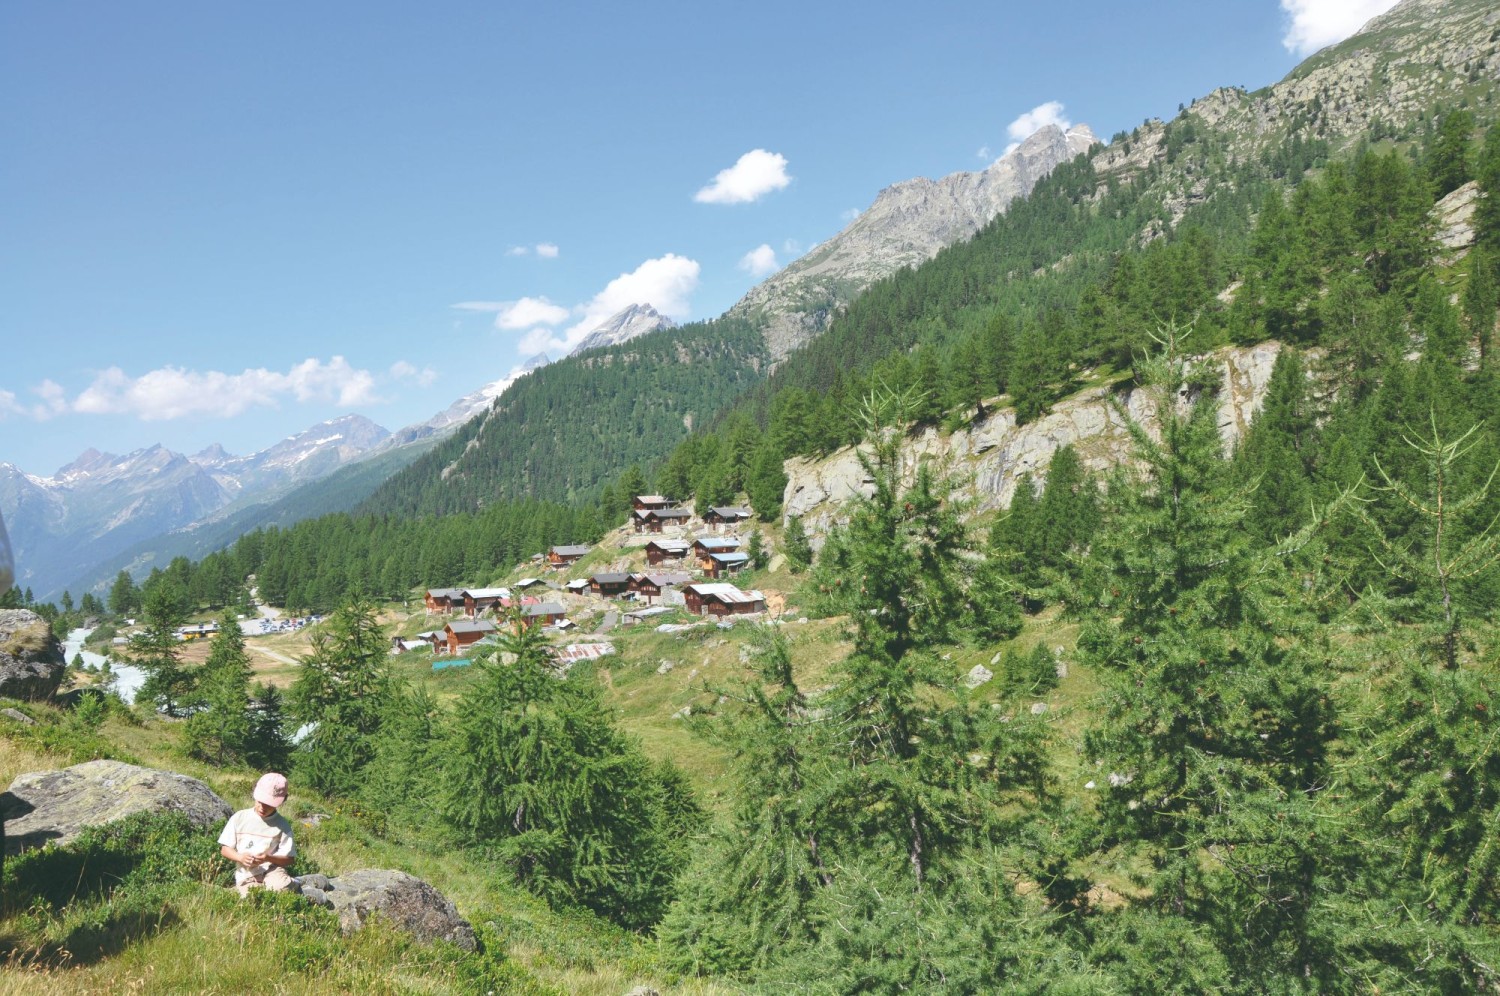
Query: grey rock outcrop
(404, 900)
(31, 661)
(908, 224)
(54, 807)
(636, 320)
(993, 454)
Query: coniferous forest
(1285, 775)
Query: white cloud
(791, 247)
(546, 250)
(490, 306)
(512, 315)
(517, 251)
(985, 153)
(760, 261)
(1034, 120)
(666, 283)
(53, 402)
(402, 370)
(753, 175)
(849, 214)
(1314, 24)
(171, 392)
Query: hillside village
(658, 531)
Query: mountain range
(638, 385)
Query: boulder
(404, 900)
(978, 675)
(31, 661)
(44, 807)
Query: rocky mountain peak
(636, 320)
(908, 224)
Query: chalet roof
(667, 513)
(582, 651)
(570, 551)
(667, 579)
(673, 545)
(727, 593)
(652, 499)
(471, 626)
(610, 578)
(578, 583)
(528, 582)
(729, 558)
(730, 511)
(486, 592)
(444, 592)
(543, 609)
(719, 542)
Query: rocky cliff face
(993, 454)
(907, 225)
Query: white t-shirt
(247, 832)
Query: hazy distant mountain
(466, 407)
(638, 319)
(907, 225)
(101, 504)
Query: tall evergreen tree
(1214, 722)
(219, 732)
(157, 651)
(342, 688)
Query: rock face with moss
(45, 807)
(31, 661)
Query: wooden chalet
(651, 585)
(723, 564)
(705, 546)
(463, 633)
(562, 556)
(666, 549)
(722, 600)
(609, 585)
(442, 599)
(580, 586)
(645, 503)
(652, 520)
(542, 614)
(480, 600)
(726, 515)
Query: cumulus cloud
(172, 392)
(1314, 24)
(1033, 121)
(666, 283)
(760, 261)
(53, 401)
(985, 153)
(517, 251)
(527, 311)
(513, 315)
(753, 175)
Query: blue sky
(225, 223)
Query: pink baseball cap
(270, 790)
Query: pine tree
(767, 482)
(1276, 458)
(537, 769)
(343, 688)
(269, 748)
(799, 552)
(157, 651)
(1214, 723)
(219, 731)
(1450, 166)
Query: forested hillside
(558, 433)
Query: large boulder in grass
(54, 807)
(403, 900)
(31, 660)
